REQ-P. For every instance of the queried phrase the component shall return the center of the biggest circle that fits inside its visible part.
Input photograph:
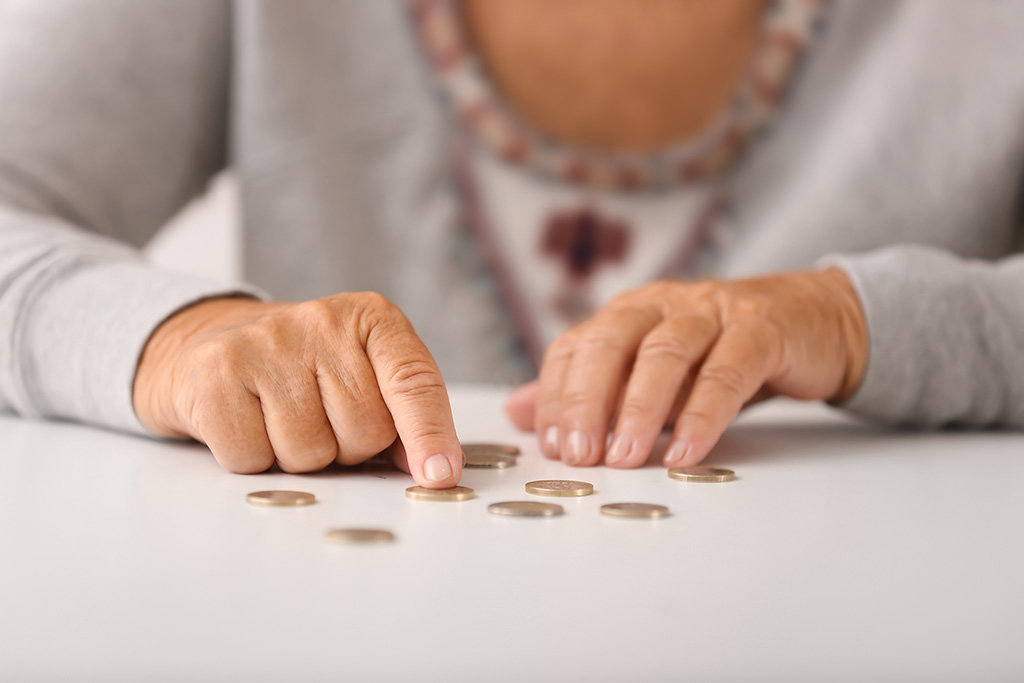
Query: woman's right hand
(304, 385)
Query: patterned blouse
(564, 228)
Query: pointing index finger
(414, 392)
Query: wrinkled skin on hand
(692, 355)
(302, 385)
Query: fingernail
(578, 448)
(675, 453)
(619, 450)
(437, 468)
(551, 442)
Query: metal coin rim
(656, 511)
(542, 509)
(586, 490)
(501, 461)
(253, 498)
(455, 494)
(710, 474)
(374, 536)
(495, 448)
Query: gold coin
(525, 508)
(488, 461)
(280, 498)
(701, 474)
(635, 510)
(455, 493)
(500, 449)
(559, 487)
(359, 536)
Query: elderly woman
(520, 187)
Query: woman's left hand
(703, 350)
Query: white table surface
(842, 552)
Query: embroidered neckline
(788, 28)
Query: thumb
(522, 405)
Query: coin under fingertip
(456, 493)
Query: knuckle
(427, 433)
(558, 351)
(373, 434)
(308, 458)
(266, 336)
(650, 291)
(601, 338)
(635, 407)
(724, 376)
(246, 465)
(660, 289)
(548, 398)
(704, 290)
(318, 313)
(626, 299)
(701, 322)
(548, 401)
(372, 444)
(214, 370)
(207, 411)
(373, 312)
(243, 461)
(751, 309)
(378, 306)
(224, 354)
(662, 347)
(205, 381)
(415, 378)
(574, 400)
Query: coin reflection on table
(353, 536)
(280, 498)
(525, 508)
(635, 510)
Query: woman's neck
(624, 75)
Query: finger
(414, 392)
(605, 348)
(735, 369)
(361, 421)
(521, 406)
(228, 418)
(762, 395)
(664, 360)
(296, 422)
(396, 451)
(549, 393)
(679, 402)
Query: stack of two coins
(490, 456)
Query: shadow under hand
(794, 441)
(788, 440)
